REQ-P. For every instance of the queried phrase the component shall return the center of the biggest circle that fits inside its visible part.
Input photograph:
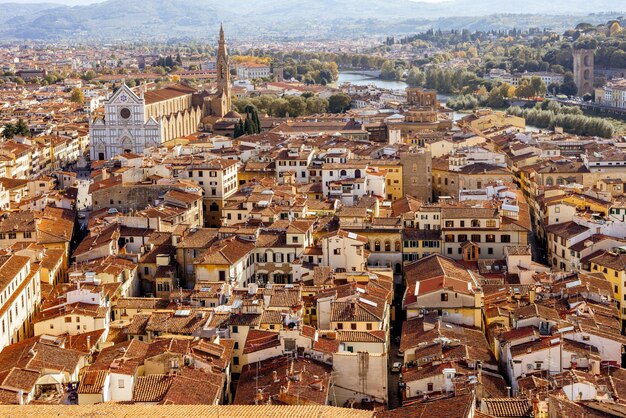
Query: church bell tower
(223, 75)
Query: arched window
(214, 207)
(377, 246)
(387, 246)
(560, 181)
(357, 174)
(549, 181)
(343, 173)
(398, 268)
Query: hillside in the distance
(166, 19)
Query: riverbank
(359, 79)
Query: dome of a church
(232, 115)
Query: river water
(363, 80)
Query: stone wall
(126, 197)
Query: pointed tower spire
(223, 74)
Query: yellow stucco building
(612, 265)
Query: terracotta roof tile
(508, 407)
(113, 410)
(151, 388)
(455, 407)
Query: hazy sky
(83, 2)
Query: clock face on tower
(125, 113)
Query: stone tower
(417, 173)
(223, 77)
(583, 70)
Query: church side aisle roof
(167, 93)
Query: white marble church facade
(125, 127)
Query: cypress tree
(257, 122)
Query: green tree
(21, 128)
(538, 85)
(50, 79)
(464, 102)
(415, 77)
(257, 122)
(77, 96)
(241, 104)
(388, 71)
(252, 124)
(618, 59)
(316, 105)
(339, 103)
(553, 88)
(9, 131)
(297, 106)
(495, 99)
(585, 42)
(279, 108)
(524, 89)
(89, 75)
(506, 90)
(239, 129)
(568, 87)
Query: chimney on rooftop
(89, 342)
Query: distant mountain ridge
(164, 19)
